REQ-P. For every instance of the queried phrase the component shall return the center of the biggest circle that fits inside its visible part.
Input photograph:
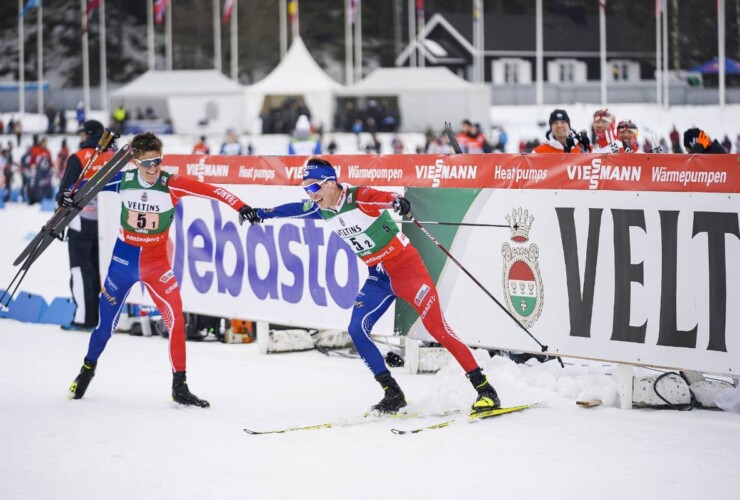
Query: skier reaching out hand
(149, 197)
(395, 270)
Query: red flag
(91, 6)
(160, 6)
(228, 7)
(602, 4)
(420, 7)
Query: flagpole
(412, 35)
(421, 23)
(150, 33)
(168, 35)
(216, 35)
(358, 42)
(721, 49)
(235, 41)
(481, 43)
(283, 28)
(477, 21)
(658, 73)
(602, 49)
(21, 62)
(85, 60)
(348, 73)
(666, 96)
(40, 57)
(103, 60)
(539, 88)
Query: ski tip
(589, 403)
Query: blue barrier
(2, 197)
(61, 311)
(48, 205)
(15, 195)
(27, 307)
(3, 313)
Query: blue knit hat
(319, 169)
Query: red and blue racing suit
(396, 269)
(140, 254)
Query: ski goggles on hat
(314, 187)
(627, 124)
(604, 114)
(151, 162)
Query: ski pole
(473, 224)
(452, 139)
(485, 290)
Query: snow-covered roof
(297, 73)
(394, 80)
(179, 82)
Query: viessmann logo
(440, 171)
(203, 169)
(596, 171)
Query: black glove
(401, 206)
(65, 200)
(570, 141)
(690, 138)
(584, 141)
(249, 214)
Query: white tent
(427, 97)
(297, 75)
(195, 101)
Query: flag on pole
(602, 4)
(89, 9)
(658, 7)
(160, 6)
(292, 10)
(91, 6)
(352, 12)
(228, 7)
(420, 8)
(31, 4)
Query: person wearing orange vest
(82, 235)
(201, 147)
(561, 138)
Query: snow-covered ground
(126, 439)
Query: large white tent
(427, 97)
(297, 75)
(195, 101)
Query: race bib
(143, 220)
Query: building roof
(563, 36)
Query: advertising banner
(645, 278)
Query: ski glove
(570, 143)
(401, 206)
(66, 200)
(249, 214)
(584, 141)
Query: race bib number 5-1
(143, 220)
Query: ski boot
(487, 397)
(394, 399)
(182, 395)
(79, 386)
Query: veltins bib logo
(522, 280)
